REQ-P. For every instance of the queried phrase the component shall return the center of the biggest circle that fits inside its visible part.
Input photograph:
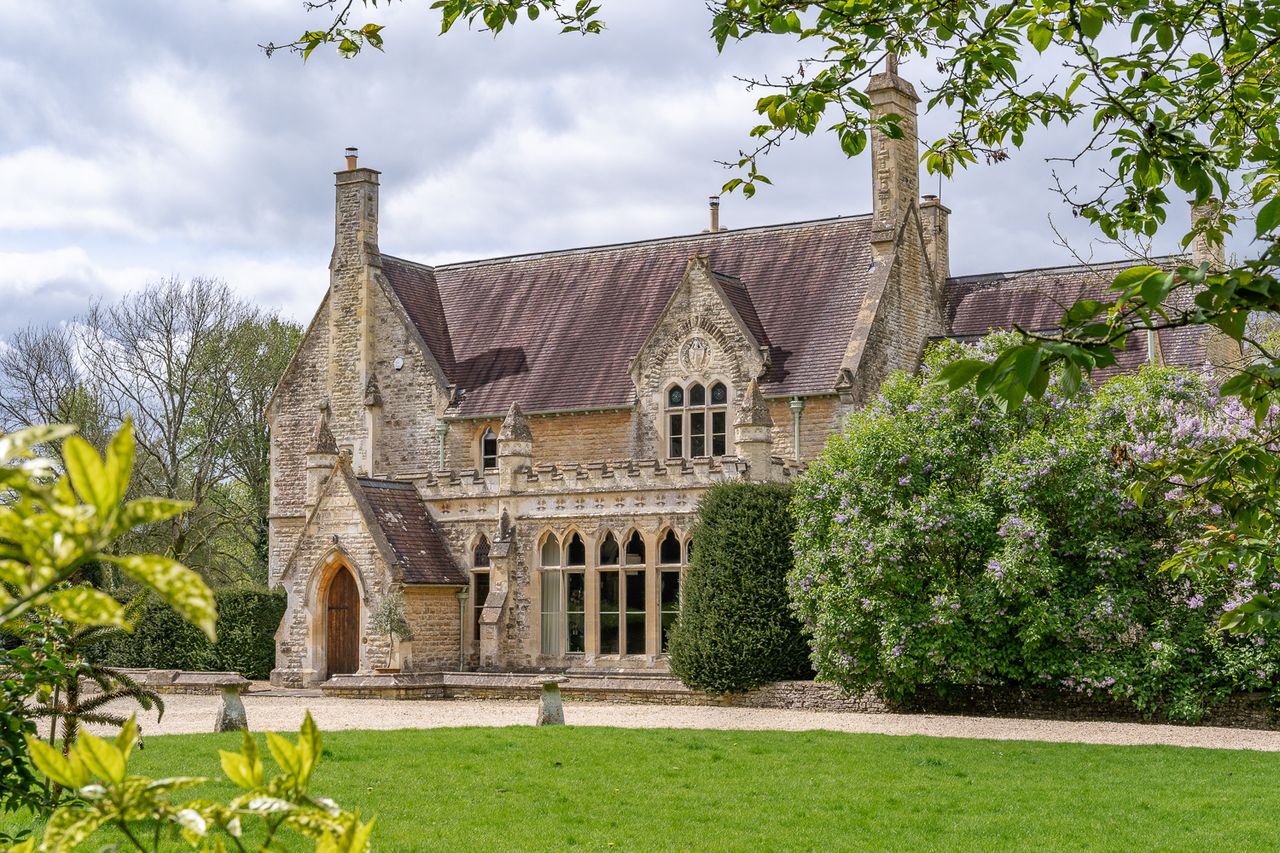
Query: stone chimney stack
(1202, 248)
(321, 458)
(515, 450)
(753, 432)
(352, 268)
(715, 216)
(895, 162)
(934, 216)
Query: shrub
(943, 542)
(736, 630)
(247, 622)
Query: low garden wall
(1249, 710)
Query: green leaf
(88, 474)
(1040, 34)
(100, 757)
(960, 372)
(1269, 217)
(87, 606)
(285, 754)
(70, 827)
(20, 442)
(176, 584)
(1131, 278)
(236, 766)
(150, 511)
(119, 463)
(308, 747)
(55, 765)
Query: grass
(630, 789)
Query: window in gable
(697, 421)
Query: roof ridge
(649, 241)
(403, 485)
(1060, 268)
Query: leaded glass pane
(697, 396)
(635, 613)
(551, 613)
(609, 606)
(576, 611)
(719, 394)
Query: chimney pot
(715, 214)
(351, 158)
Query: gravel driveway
(186, 714)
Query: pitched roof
(1036, 299)
(403, 519)
(556, 331)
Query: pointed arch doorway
(342, 624)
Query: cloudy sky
(147, 138)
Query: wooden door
(343, 624)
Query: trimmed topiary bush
(247, 622)
(736, 630)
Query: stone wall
(407, 438)
(432, 614)
(1246, 710)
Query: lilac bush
(942, 541)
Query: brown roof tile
(404, 521)
(1036, 299)
(556, 331)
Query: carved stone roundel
(694, 354)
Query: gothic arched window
(488, 450)
(697, 418)
(482, 553)
(576, 552)
(635, 549)
(551, 551)
(609, 550)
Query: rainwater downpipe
(797, 406)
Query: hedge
(736, 629)
(247, 622)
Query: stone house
(520, 443)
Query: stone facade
(554, 536)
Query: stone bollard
(231, 716)
(550, 708)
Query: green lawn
(528, 788)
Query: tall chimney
(715, 215)
(895, 163)
(1202, 248)
(354, 412)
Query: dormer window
(696, 420)
(488, 450)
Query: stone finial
(372, 394)
(753, 411)
(323, 440)
(515, 427)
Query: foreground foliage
(943, 541)
(736, 630)
(57, 519)
(139, 808)
(595, 788)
